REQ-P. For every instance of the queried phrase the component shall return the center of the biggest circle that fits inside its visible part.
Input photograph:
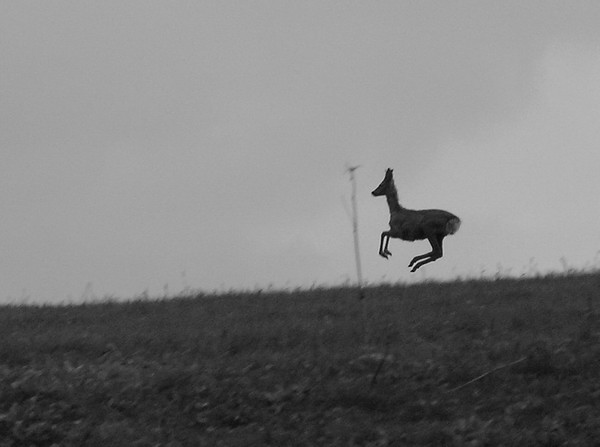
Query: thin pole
(355, 232)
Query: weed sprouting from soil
(477, 362)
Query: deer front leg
(435, 253)
(384, 251)
(387, 242)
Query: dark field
(296, 368)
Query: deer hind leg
(435, 253)
(385, 240)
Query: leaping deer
(412, 225)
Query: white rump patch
(453, 225)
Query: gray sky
(203, 144)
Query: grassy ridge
(295, 368)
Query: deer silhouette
(412, 225)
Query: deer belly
(411, 234)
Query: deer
(412, 225)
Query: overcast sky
(156, 146)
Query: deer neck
(392, 200)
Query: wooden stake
(351, 170)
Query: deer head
(384, 185)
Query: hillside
(509, 361)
